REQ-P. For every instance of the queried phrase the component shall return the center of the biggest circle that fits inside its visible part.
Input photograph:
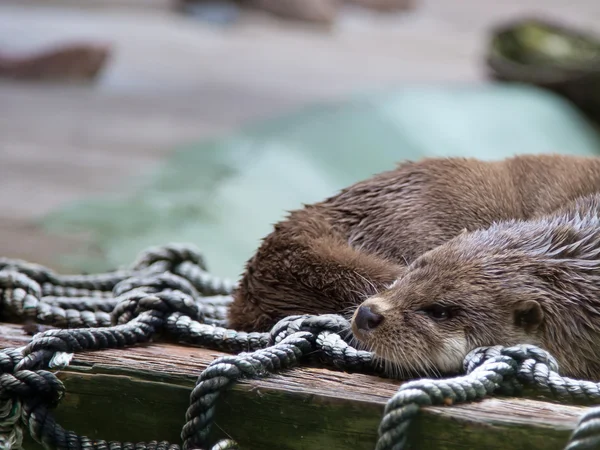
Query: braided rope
(169, 289)
(489, 370)
(587, 434)
(11, 432)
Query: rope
(168, 290)
(11, 432)
(491, 370)
(587, 434)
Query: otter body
(331, 256)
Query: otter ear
(528, 315)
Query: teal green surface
(224, 195)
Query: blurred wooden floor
(174, 80)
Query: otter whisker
(399, 361)
(354, 342)
(423, 363)
(390, 369)
(348, 309)
(346, 329)
(429, 366)
(361, 295)
(348, 312)
(369, 282)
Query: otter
(330, 256)
(532, 281)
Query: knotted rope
(169, 291)
(501, 370)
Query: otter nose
(366, 319)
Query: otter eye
(438, 312)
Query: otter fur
(533, 281)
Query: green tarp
(224, 195)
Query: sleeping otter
(533, 281)
(333, 255)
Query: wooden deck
(142, 393)
(174, 80)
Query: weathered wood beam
(142, 393)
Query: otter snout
(365, 319)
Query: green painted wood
(135, 409)
(142, 393)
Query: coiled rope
(169, 290)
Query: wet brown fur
(331, 256)
(533, 281)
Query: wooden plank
(142, 393)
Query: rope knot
(518, 353)
(344, 356)
(18, 384)
(524, 352)
(9, 358)
(172, 255)
(313, 324)
(155, 283)
(133, 303)
(164, 293)
(40, 385)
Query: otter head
(451, 300)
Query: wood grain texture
(142, 393)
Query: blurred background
(131, 123)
